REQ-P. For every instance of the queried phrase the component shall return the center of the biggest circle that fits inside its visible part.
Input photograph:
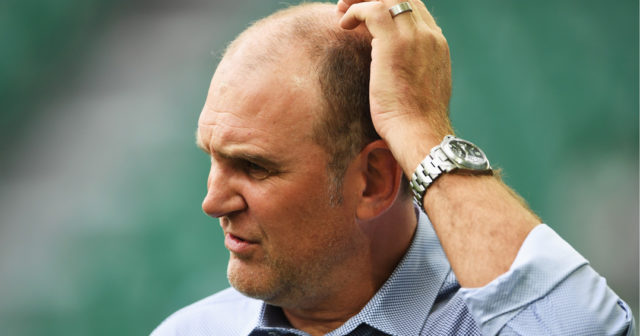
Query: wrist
(451, 155)
(410, 141)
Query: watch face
(466, 154)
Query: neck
(389, 237)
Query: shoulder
(225, 313)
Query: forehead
(273, 106)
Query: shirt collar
(410, 291)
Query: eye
(255, 170)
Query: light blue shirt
(549, 290)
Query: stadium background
(101, 231)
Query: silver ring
(400, 8)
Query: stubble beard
(293, 282)
(255, 283)
(290, 280)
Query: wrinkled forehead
(276, 100)
(290, 81)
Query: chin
(252, 280)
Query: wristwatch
(452, 154)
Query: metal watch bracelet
(428, 170)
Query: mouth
(237, 244)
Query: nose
(223, 197)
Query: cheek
(298, 195)
(291, 211)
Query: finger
(421, 11)
(362, 12)
(376, 16)
(351, 2)
(406, 21)
(342, 6)
(416, 6)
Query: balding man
(313, 118)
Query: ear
(382, 176)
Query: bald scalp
(339, 62)
(304, 26)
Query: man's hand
(410, 83)
(480, 222)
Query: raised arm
(481, 223)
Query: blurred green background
(101, 231)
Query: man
(312, 118)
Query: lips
(237, 244)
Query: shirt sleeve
(550, 289)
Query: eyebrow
(201, 144)
(255, 158)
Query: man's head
(294, 175)
(339, 62)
